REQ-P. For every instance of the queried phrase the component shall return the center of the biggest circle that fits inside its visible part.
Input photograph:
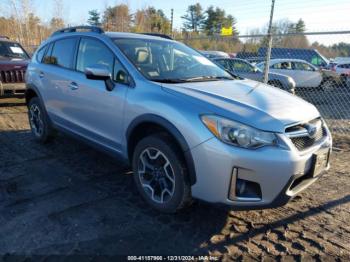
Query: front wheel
(160, 173)
(328, 85)
(38, 120)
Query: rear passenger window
(282, 65)
(63, 53)
(93, 52)
(40, 54)
(47, 56)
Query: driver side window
(93, 52)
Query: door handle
(41, 74)
(73, 86)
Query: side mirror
(100, 72)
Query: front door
(96, 113)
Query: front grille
(302, 138)
(13, 76)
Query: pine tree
(300, 26)
(194, 18)
(216, 19)
(94, 18)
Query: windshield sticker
(16, 50)
(153, 73)
(203, 60)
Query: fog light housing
(242, 189)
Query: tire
(160, 173)
(328, 85)
(39, 121)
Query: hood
(249, 102)
(13, 64)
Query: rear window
(63, 53)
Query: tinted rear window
(63, 52)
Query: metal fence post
(268, 51)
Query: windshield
(12, 50)
(168, 61)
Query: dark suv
(13, 63)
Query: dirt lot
(66, 198)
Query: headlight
(291, 81)
(237, 134)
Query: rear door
(56, 72)
(285, 68)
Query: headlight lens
(237, 134)
(291, 81)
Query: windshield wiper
(208, 78)
(193, 79)
(169, 80)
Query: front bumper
(8, 89)
(280, 173)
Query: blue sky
(319, 15)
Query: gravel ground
(67, 198)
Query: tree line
(150, 19)
(24, 25)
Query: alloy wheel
(36, 122)
(156, 175)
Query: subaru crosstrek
(188, 128)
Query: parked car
(186, 126)
(312, 56)
(244, 69)
(13, 64)
(215, 54)
(331, 66)
(303, 73)
(343, 70)
(342, 60)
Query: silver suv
(188, 128)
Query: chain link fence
(321, 72)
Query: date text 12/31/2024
(172, 258)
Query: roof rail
(4, 37)
(159, 35)
(94, 29)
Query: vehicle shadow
(67, 198)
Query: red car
(13, 64)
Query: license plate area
(321, 159)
